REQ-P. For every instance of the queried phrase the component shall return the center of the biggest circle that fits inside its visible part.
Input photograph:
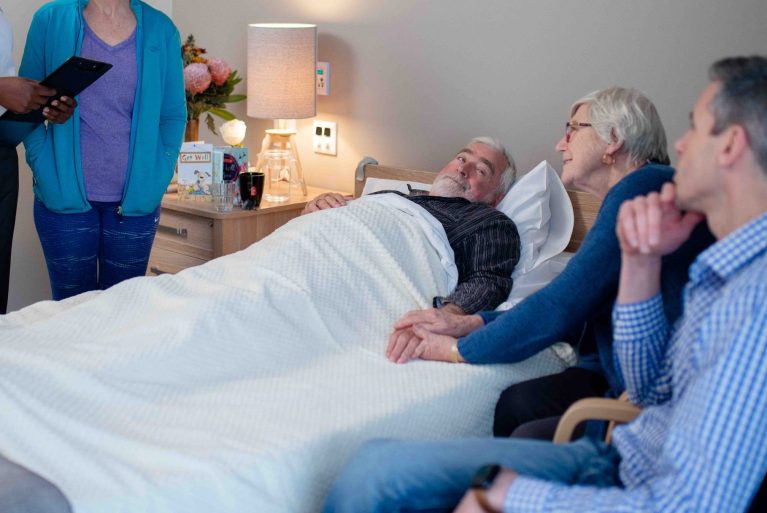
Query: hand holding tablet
(67, 81)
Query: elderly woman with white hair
(614, 147)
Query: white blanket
(242, 385)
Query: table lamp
(281, 86)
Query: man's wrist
(473, 323)
(490, 486)
(497, 493)
(639, 277)
(452, 308)
(641, 262)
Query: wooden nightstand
(192, 232)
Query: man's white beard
(447, 187)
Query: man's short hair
(510, 173)
(742, 100)
(620, 114)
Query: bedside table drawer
(164, 261)
(184, 233)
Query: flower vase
(192, 130)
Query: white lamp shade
(282, 60)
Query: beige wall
(29, 279)
(414, 79)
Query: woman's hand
(60, 110)
(413, 343)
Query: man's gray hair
(620, 114)
(742, 100)
(510, 173)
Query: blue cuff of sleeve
(488, 316)
(527, 495)
(632, 321)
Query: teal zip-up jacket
(159, 110)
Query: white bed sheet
(244, 384)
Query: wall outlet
(324, 137)
(323, 78)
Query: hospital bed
(244, 384)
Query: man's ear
(734, 145)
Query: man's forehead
(487, 154)
(707, 95)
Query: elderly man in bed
(484, 240)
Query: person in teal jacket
(99, 178)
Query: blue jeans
(399, 476)
(93, 250)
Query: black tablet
(69, 79)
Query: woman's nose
(562, 144)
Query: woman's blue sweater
(577, 305)
(159, 110)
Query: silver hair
(624, 115)
(742, 100)
(510, 173)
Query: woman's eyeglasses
(572, 126)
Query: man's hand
(440, 321)
(649, 227)
(495, 496)
(325, 201)
(60, 110)
(653, 225)
(21, 95)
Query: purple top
(106, 111)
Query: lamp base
(283, 139)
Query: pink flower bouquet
(209, 84)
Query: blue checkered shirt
(700, 443)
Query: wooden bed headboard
(585, 206)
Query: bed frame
(585, 206)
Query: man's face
(696, 174)
(474, 174)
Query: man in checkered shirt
(699, 443)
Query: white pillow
(536, 279)
(527, 204)
(561, 221)
(538, 204)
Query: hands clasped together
(21, 95)
(429, 335)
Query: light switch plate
(324, 137)
(323, 78)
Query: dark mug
(251, 189)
